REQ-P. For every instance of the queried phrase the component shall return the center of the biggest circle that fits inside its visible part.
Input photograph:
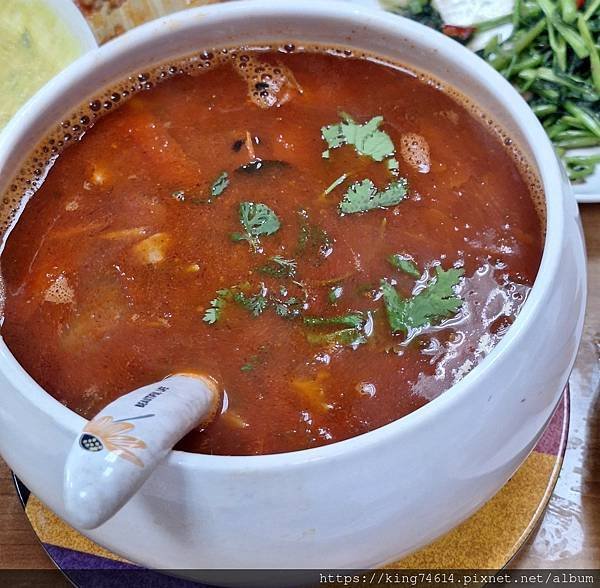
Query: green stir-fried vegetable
(552, 57)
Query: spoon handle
(120, 447)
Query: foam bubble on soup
(415, 151)
(60, 291)
(268, 84)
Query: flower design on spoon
(105, 432)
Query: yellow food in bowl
(35, 44)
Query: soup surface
(337, 240)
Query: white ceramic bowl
(370, 499)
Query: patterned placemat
(487, 540)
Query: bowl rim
(515, 107)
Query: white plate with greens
(549, 50)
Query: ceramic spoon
(120, 447)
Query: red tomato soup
(335, 239)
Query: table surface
(569, 534)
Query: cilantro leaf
(256, 303)
(393, 166)
(217, 188)
(405, 264)
(367, 139)
(313, 238)
(431, 305)
(343, 337)
(353, 319)
(282, 303)
(396, 308)
(335, 293)
(256, 219)
(255, 360)
(213, 314)
(437, 300)
(364, 196)
(352, 334)
(333, 135)
(287, 306)
(219, 185)
(279, 267)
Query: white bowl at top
(370, 499)
(72, 23)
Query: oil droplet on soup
(335, 239)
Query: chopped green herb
(343, 337)
(219, 185)
(335, 184)
(213, 314)
(435, 302)
(353, 319)
(255, 360)
(406, 264)
(364, 196)
(256, 303)
(256, 219)
(279, 267)
(352, 334)
(335, 293)
(312, 237)
(289, 307)
(367, 139)
(394, 166)
(217, 188)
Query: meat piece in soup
(335, 239)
